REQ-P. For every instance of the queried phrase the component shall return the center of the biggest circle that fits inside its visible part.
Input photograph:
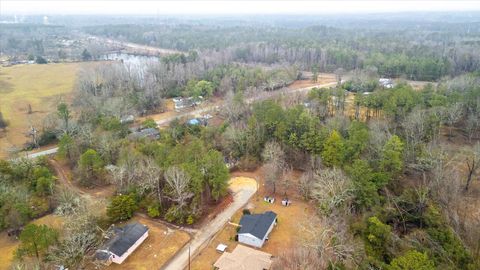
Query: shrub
(149, 123)
(153, 211)
(121, 208)
(412, 260)
(190, 220)
(246, 212)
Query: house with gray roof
(123, 243)
(254, 229)
(150, 133)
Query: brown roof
(244, 258)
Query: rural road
(211, 108)
(242, 194)
(135, 47)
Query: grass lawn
(41, 86)
(283, 236)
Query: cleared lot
(162, 243)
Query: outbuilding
(254, 229)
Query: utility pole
(189, 256)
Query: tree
(472, 164)
(121, 208)
(365, 188)
(66, 147)
(332, 190)
(392, 156)
(314, 73)
(36, 239)
(215, 173)
(177, 182)
(90, 166)
(378, 237)
(274, 157)
(203, 88)
(333, 150)
(64, 113)
(412, 260)
(177, 190)
(3, 122)
(86, 55)
(451, 115)
(40, 60)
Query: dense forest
(422, 51)
(390, 172)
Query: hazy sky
(227, 7)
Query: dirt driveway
(243, 189)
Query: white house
(254, 229)
(124, 241)
(386, 83)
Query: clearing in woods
(283, 237)
(41, 86)
(161, 244)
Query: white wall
(250, 240)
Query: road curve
(205, 234)
(166, 121)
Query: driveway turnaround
(243, 189)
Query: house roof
(244, 258)
(257, 224)
(146, 132)
(125, 238)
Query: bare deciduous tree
(472, 164)
(177, 186)
(331, 190)
(274, 157)
(451, 115)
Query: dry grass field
(41, 86)
(8, 245)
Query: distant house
(123, 243)
(127, 119)
(151, 133)
(181, 103)
(254, 229)
(194, 122)
(386, 83)
(244, 258)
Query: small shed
(221, 248)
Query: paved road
(42, 153)
(166, 121)
(262, 96)
(205, 234)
